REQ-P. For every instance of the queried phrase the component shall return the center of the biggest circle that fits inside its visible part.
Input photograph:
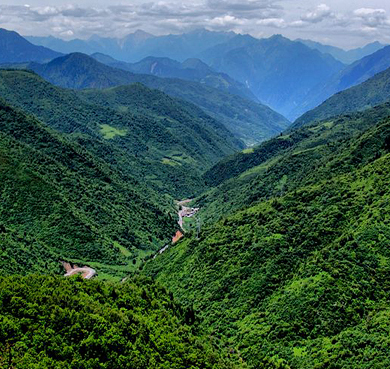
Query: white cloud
(372, 17)
(319, 14)
(272, 22)
(339, 19)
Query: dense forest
(68, 204)
(53, 322)
(301, 280)
(143, 133)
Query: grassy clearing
(110, 132)
(171, 162)
(248, 151)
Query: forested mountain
(280, 72)
(60, 202)
(52, 322)
(345, 56)
(144, 133)
(299, 277)
(352, 75)
(216, 235)
(191, 70)
(374, 91)
(140, 44)
(246, 119)
(15, 49)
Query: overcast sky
(345, 23)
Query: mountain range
(280, 72)
(191, 70)
(249, 121)
(352, 75)
(140, 44)
(345, 56)
(207, 231)
(291, 77)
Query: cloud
(157, 17)
(272, 22)
(319, 14)
(372, 18)
(258, 17)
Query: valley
(205, 199)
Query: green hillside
(61, 203)
(52, 322)
(373, 92)
(300, 280)
(246, 119)
(285, 163)
(143, 133)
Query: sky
(343, 23)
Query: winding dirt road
(86, 272)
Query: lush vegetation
(246, 119)
(159, 129)
(288, 162)
(52, 322)
(300, 280)
(291, 267)
(58, 202)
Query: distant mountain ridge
(16, 49)
(280, 72)
(345, 56)
(191, 70)
(352, 75)
(140, 44)
(370, 93)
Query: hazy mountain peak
(139, 35)
(16, 49)
(195, 63)
(103, 58)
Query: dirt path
(86, 272)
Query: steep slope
(283, 164)
(166, 142)
(15, 49)
(68, 323)
(190, 70)
(354, 74)
(345, 56)
(374, 91)
(300, 280)
(247, 120)
(61, 203)
(279, 72)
